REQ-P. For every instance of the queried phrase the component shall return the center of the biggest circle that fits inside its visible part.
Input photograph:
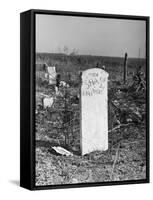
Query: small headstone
(52, 75)
(94, 111)
(48, 102)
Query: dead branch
(120, 126)
(122, 142)
(116, 156)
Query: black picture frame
(27, 98)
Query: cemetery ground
(59, 125)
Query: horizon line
(91, 55)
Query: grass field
(126, 157)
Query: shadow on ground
(15, 182)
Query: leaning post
(125, 67)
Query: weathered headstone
(51, 75)
(94, 111)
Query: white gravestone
(51, 75)
(94, 111)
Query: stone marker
(51, 75)
(94, 111)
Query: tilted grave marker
(50, 74)
(94, 111)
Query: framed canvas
(84, 99)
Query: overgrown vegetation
(59, 125)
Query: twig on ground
(116, 156)
(133, 142)
(122, 142)
(124, 125)
(119, 126)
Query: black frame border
(27, 98)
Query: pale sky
(90, 36)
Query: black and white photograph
(76, 95)
(90, 99)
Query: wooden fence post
(125, 67)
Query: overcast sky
(90, 36)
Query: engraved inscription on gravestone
(94, 111)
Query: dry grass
(126, 157)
